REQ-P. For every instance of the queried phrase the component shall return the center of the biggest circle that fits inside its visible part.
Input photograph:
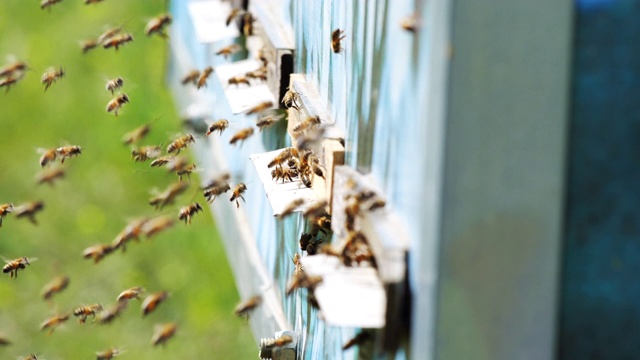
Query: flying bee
(48, 156)
(88, 44)
(247, 24)
(116, 103)
(260, 107)
(212, 193)
(279, 342)
(12, 267)
(58, 284)
(108, 315)
(97, 252)
(177, 163)
(114, 84)
(191, 77)
(235, 12)
(268, 121)
(359, 339)
(241, 135)
(157, 25)
(131, 293)
(50, 76)
(409, 23)
(202, 81)
(316, 209)
(12, 68)
(164, 333)
(4, 341)
(180, 143)
(219, 126)
(53, 322)
(377, 204)
(30, 357)
(88, 2)
(169, 195)
(307, 124)
(117, 41)
(68, 151)
(245, 308)
(188, 211)
(44, 4)
(130, 232)
(297, 264)
(83, 312)
(222, 179)
(107, 354)
(289, 209)
(49, 176)
(108, 34)
(290, 99)
(302, 280)
(157, 225)
(237, 193)
(284, 174)
(145, 153)
(186, 170)
(136, 134)
(152, 301)
(5, 209)
(229, 50)
(29, 210)
(336, 40)
(237, 80)
(8, 82)
(162, 160)
(259, 74)
(283, 157)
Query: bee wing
(33, 259)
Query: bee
(235, 12)
(53, 322)
(377, 204)
(307, 124)
(305, 239)
(8, 82)
(245, 308)
(117, 41)
(12, 68)
(107, 354)
(83, 312)
(12, 267)
(312, 246)
(228, 50)
(131, 293)
(116, 103)
(50, 76)
(181, 166)
(222, 179)
(289, 209)
(145, 153)
(279, 342)
(68, 151)
(114, 84)
(5, 209)
(241, 135)
(130, 232)
(322, 223)
(163, 333)
(97, 252)
(247, 26)
(283, 157)
(212, 193)
(290, 99)
(87, 2)
(284, 174)
(136, 134)
(156, 225)
(180, 143)
(108, 315)
(260, 74)
(336, 40)
(30, 357)
(152, 301)
(108, 34)
(4, 341)
(316, 209)
(29, 210)
(263, 56)
(297, 264)
(88, 44)
(409, 23)
(162, 160)
(48, 156)
(237, 193)
(157, 25)
(58, 284)
(48, 3)
(169, 195)
(302, 280)
(268, 121)
(260, 107)
(219, 126)
(359, 339)
(188, 211)
(237, 80)
(191, 77)
(202, 81)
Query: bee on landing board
(68, 151)
(13, 266)
(107, 354)
(131, 293)
(284, 174)
(5, 209)
(202, 80)
(53, 322)
(237, 193)
(157, 25)
(258, 74)
(245, 308)
(188, 211)
(241, 136)
(58, 284)
(29, 210)
(117, 40)
(152, 301)
(336, 40)
(114, 84)
(50, 76)
(180, 143)
(163, 333)
(83, 312)
(116, 103)
(97, 252)
(283, 157)
(219, 126)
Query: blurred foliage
(103, 189)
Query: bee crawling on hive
(336, 40)
(188, 211)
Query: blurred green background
(103, 189)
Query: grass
(103, 188)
